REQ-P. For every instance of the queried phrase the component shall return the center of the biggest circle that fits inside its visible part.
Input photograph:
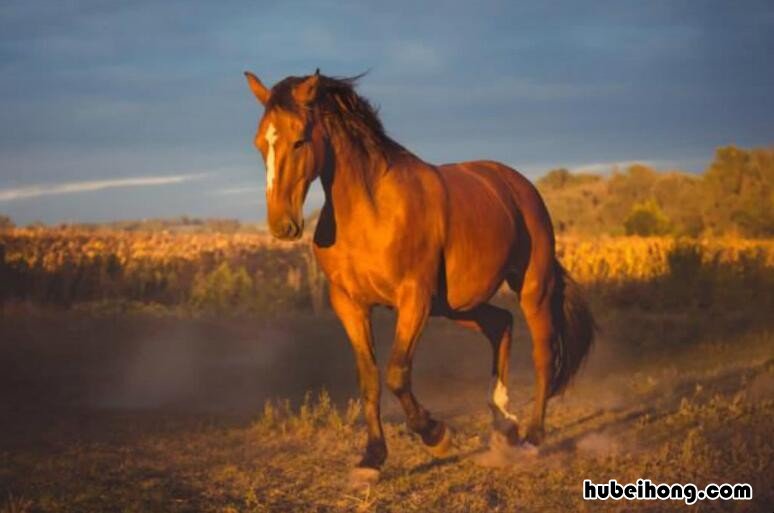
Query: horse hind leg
(535, 301)
(496, 324)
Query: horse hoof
(441, 449)
(529, 449)
(363, 477)
(502, 453)
(534, 436)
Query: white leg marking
(499, 393)
(271, 138)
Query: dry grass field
(228, 273)
(172, 405)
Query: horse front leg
(413, 309)
(356, 319)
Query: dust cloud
(233, 365)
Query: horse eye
(298, 143)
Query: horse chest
(364, 275)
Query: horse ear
(259, 90)
(305, 93)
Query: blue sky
(136, 109)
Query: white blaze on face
(499, 393)
(271, 138)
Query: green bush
(222, 289)
(647, 219)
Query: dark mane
(344, 112)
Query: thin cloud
(602, 167)
(247, 189)
(34, 191)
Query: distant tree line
(734, 196)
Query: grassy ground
(166, 415)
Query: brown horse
(422, 239)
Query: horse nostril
(287, 229)
(294, 230)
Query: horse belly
(471, 281)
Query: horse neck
(352, 179)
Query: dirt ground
(166, 414)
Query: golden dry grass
(588, 259)
(53, 248)
(645, 258)
(218, 272)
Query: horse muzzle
(287, 229)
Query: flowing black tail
(574, 327)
